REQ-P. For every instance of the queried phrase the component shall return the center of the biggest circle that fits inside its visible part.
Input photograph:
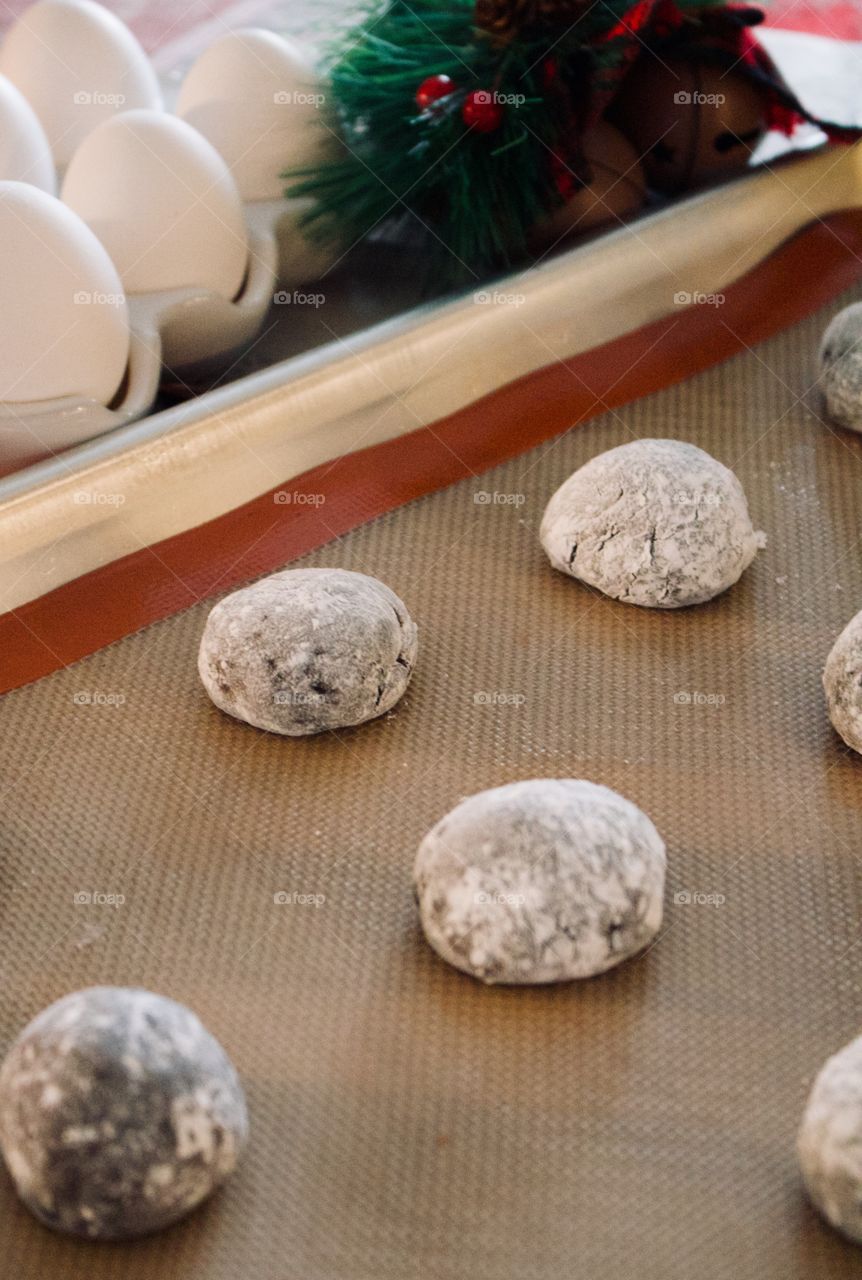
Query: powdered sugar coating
(842, 683)
(541, 881)
(841, 367)
(119, 1113)
(830, 1141)
(308, 649)
(658, 523)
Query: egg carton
(141, 243)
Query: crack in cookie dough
(541, 881)
(657, 523)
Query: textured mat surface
(409, 1124)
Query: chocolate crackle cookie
(541, 881)
(658, 523)
(307, 650)
(119, 1113)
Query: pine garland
(553, 66)
(476, 195)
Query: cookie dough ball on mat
(830, 1141)
(541, 881)
(841, 368)
(658, 523)
(307, 650)
(842, 682)
(119, 1113)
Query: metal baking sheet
(177, 469)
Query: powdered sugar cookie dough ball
(541, 881)
(830, 1141)
(841, 368)
(842, 683)
(119, 1113)
(307, 650)
(658, 523)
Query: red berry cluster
(480, 110)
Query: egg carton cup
(34, 428)
(193, 327)
(179, 332)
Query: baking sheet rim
(181, 468)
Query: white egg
(162, 202)
(77, 64)
(260, 102)
(64, 325)
(24, 152)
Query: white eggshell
(24, 152)
(162, 202)
(64, 325)
(259, 101)
(77, 64)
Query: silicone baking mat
(409, 1123)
